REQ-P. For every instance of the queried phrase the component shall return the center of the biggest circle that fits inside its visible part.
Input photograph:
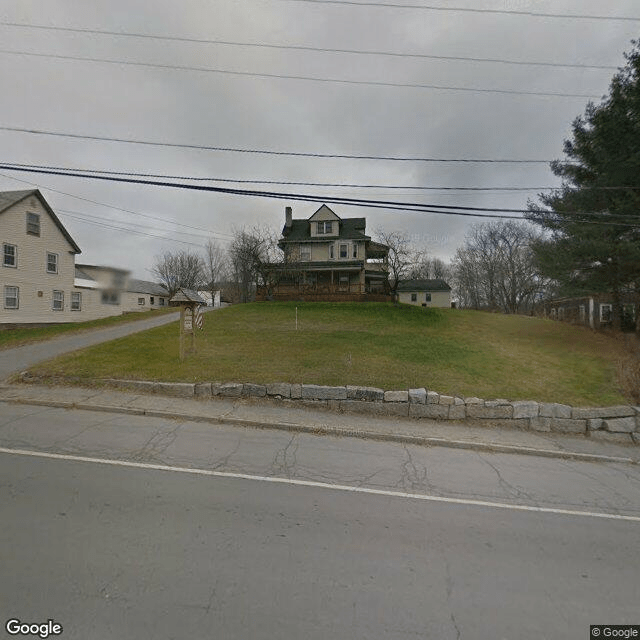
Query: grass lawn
(26, 335)
(451, 351)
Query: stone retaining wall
(617, 424)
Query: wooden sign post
(189, 303)
(187, 330)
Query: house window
(52, 263)
(427, 297)
(305, 252)
(10, 255)
(140, 301)
(325, 227)
(414, 297)
(33, 224)
(11, 297)
(343, 251)
(161, 302)
(151, 300)
(58, 300)
(110, 297)
(583, 313)
(605, 313)
(354, 253)
(76, 301)
(332, 251)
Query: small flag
(199, 318)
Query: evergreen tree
(593, 220)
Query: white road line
(319, 485)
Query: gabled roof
(436, 284)
(187, 295)
(82, 275)
(324, 209)
(350, 229)
(9, 198)
(100, 267)
(144, 286)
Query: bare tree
(252, 255)
(496, 269)
(215, 260)
(428, 268)
(402, 256)
(180, 269)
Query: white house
(425, 293)
(38, 265)
(41, 283)
(142, 295)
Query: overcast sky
(249, 111)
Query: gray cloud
(215, 109)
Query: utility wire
(530, 14)
(374, 204)
(348, 185)
(130, 211)
(284, 182)
(298, 154)
(292, 47)
(281, 76)
(88, 216)
(127, 230)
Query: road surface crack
(285, 459)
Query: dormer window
(325, 227)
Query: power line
(291, 47)
(130, 211)
(530, 14)
(284, 182)
(281, 76)
(359, 202)
(348, 185)
(127, 222)
(296, 154)
(128, 230)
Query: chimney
(288, 212)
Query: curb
(332, 431)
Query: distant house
(326, 257)
(142, 295)
(595, 311)
(425, 293)
(211, 300)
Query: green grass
(452, 351)
(26, 335)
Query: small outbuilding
(425, 293)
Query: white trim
(61, 300)
(17, 296)
(15, 255)
(57, 262)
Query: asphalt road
(20, 358)
(186, 530)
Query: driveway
(20, 358)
